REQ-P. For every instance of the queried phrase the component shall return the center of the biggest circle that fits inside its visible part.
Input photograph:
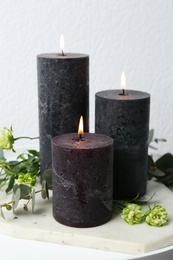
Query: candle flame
(62, 43)
(123, 81)
(81, 127)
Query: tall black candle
(63, 92)
(125, 117)
(82, 179)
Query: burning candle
(63, 93)
(82, 178)
(124, 115)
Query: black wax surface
(126, 120)
(116, 94)
(60, 56)
(82, 179)
(63, 95)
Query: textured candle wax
(82, 179)
(63, 92)
(126, 119)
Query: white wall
(131, 35)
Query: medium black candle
(63, 93)
(124, 115)
(82, 179)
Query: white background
(131, 35)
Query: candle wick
(62, 53)
(123, 92)
(80, 137)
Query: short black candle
(63, 92)
(126, 119)
(82, 179)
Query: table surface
(29, 249)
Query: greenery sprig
(26, 163)
(161, 169)
(19, 175)
(24, 192)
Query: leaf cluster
(24, 192)
(162, 168)
(24, 163)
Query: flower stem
(25, 137)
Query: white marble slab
(116, 235)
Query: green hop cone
(26, 179)
(132, 213)
(6, 139)
(156, 216)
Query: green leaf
(150, 136)
(33, 200)
(12, 163)
(44, 192)
(1, 154)
(2, 213)
(25, 191)
(47, 175)
(16, 198)
(157, 172)
(150, 161)
(165, 162)
(169, 171)
(2, 182)
(34, 152)
(166, 180)
(10, 184)
(13, 202)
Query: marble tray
(116, 235)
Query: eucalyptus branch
(24, 192)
